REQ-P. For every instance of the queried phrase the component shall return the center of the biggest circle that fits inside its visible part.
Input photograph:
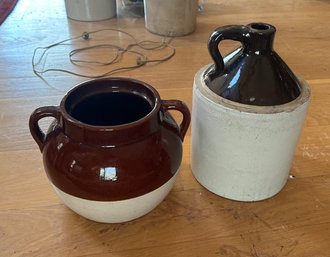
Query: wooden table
(191, 221)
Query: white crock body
(243, 152)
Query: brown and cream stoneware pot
(113, 151)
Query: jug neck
(260, 38)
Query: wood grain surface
(191, 221)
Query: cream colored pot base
(116, 211)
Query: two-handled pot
(113, 151)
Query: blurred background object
(130, 8)
(171, 17)
(90, 10)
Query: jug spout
(261, 37)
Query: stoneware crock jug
(248, 111)
(113, 151)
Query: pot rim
(154, 110)
(303, 97)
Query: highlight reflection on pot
(108, 173)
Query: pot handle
(181, 107)
(38, 135)
(232, 32)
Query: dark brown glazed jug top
(112, 139)
(253, 74)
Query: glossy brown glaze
(253, 74)
(110, 157)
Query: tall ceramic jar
(248, 111)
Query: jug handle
(232, 32)
(181, 107)
(38, 135)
